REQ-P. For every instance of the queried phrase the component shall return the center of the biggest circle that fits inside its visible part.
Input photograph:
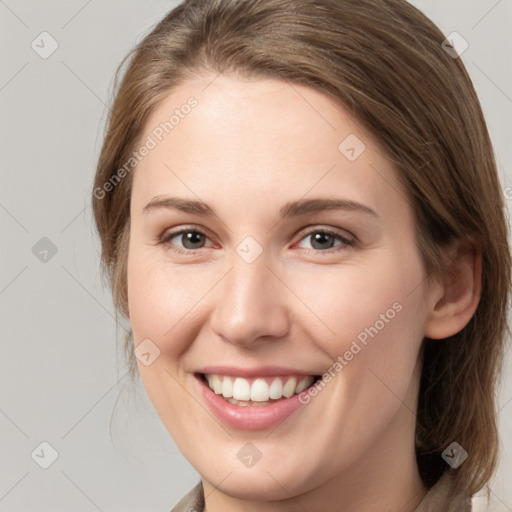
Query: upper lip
(256, 371)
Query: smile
(252, 403)
(259, 391)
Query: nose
(250, 304)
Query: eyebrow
(290, 209)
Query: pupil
(322, 237)
(192, 238)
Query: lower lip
(248, 417)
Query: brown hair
(384, 61)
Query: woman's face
(271, 243)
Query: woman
(301, 218)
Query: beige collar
(441, 497)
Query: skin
(249, 147)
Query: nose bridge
(249, 304)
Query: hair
(382, 60)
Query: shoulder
(193, 501)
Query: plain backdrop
(62, 373)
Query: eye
(190, 239)
(325, 239)
(187, 240)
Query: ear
(456, 297)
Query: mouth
(257, 391)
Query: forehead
(237, 138)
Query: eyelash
(165, 239)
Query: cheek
(164, 300)
(160, 311)
(380, 299)
(375, 315)
(152, 299)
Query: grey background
(61, 372)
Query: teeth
(242, 391)
(289, 387)
(245, 403)
(227, 387)
(276, 389)
(259, 391)
(216, 384)
(303, 384)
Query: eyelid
(315, 228)
(171, 233)
(347, 241)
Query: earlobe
(460, 293)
